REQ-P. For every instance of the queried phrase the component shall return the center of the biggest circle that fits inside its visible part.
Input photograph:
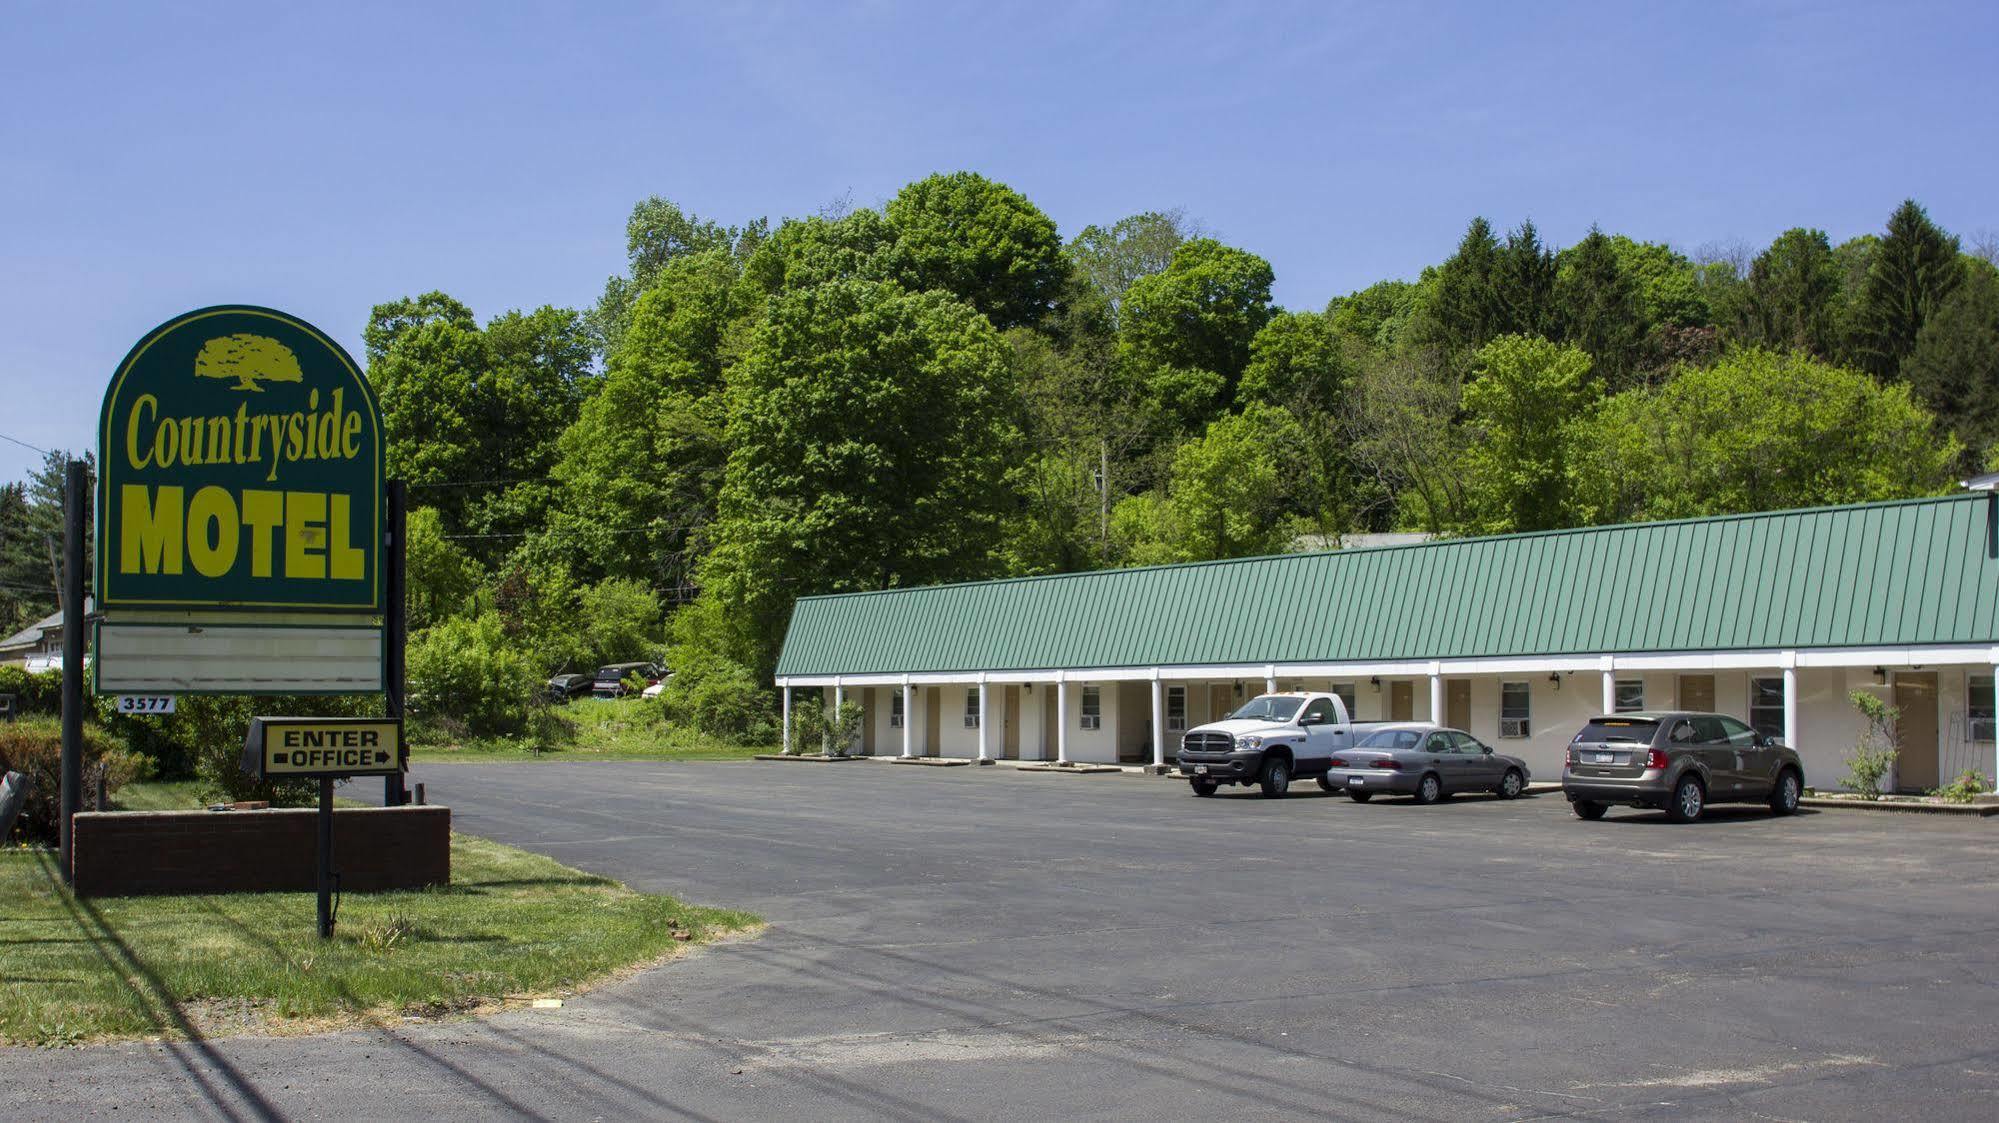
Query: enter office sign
(240, 469)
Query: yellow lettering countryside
(152, 441)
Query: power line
(24, 444)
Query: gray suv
(1679, 763)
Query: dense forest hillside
(945, 389)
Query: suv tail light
(1655, 758)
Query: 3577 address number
(145, 703)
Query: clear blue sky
(156, 158)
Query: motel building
(1518, 639)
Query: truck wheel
(1588, 809)
(1689, 800)
(1203, 787)
(1784, 797)
(1511, 785)
(1429, 789)
(1276, 777)
(1359, 797)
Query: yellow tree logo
(249, 359)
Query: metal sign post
(76, 485)
(328, 749)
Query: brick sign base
(123, 853)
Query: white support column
(1158, 721)
(908, 715)
(1791, 698)
(1609, 685)
(784, 687)
(1061, 717)
(985, 749)
(1436, 694)
(1995, 711)
(839, 700)
(1270, 679)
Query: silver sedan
(1423, 760)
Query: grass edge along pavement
(513, 926)
(590, 729)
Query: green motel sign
(239, 468)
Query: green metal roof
(1920, 571)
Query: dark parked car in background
(611, 678)
(562, 688)
(1679, 763)
(1416, 758)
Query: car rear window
(1636, 731)
(1392, 739)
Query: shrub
(719, 697)
(34, 748)
(212, 729)
(39, 693)
(1969, 783)
(814, 730)
(465, 669)
(1871, 759)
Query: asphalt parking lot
(984, 943)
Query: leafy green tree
(981, 241)
(870, 437)
(620, 621)
(1403, 434)
(466, 670)
(657, 234)
(391, 321)
(1954, 368)
(1853, 258)
(1233, 493)
(1912, 272)
(443, 579)
(1376, 315)
(1523, 391)
(1598, 307)
(1757, 431)
(860, 245)
(1298, 363)
(1793, 295)
(1199, 314)
(1111, 258)
(1668, 286)
(27, 590)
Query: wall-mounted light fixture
(1238, 688)
(1556, 679)
(1376, 683)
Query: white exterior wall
(1093, 746)
(954, 737)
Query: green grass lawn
(512, 925)
(613, 729)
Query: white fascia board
(1894, 656)
(1528, 665)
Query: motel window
(895, 710)
(1978, 707)
(1093, 714)
(1176, 709)
(1630, 695)
(1345, 692)
(972, 708)
(1513, 707)
(1766, 706)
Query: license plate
(1603, 758)
(1356, 781)
(1200, 770)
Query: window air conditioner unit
(1513, 727)
(1092, 721)
(971, 721)
(895, 721)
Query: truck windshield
(1269, 707)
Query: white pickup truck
(1268, 741)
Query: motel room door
(933, 721)
(868, 704)
(1401, 700)
(1916, 767)
(1457, 703)
(1009, 723)
(1697, 693)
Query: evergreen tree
(1913, 271)
(1524, 283)
(1597, 302)
(1793, 298)
(1466, 307)
(1954, 367)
